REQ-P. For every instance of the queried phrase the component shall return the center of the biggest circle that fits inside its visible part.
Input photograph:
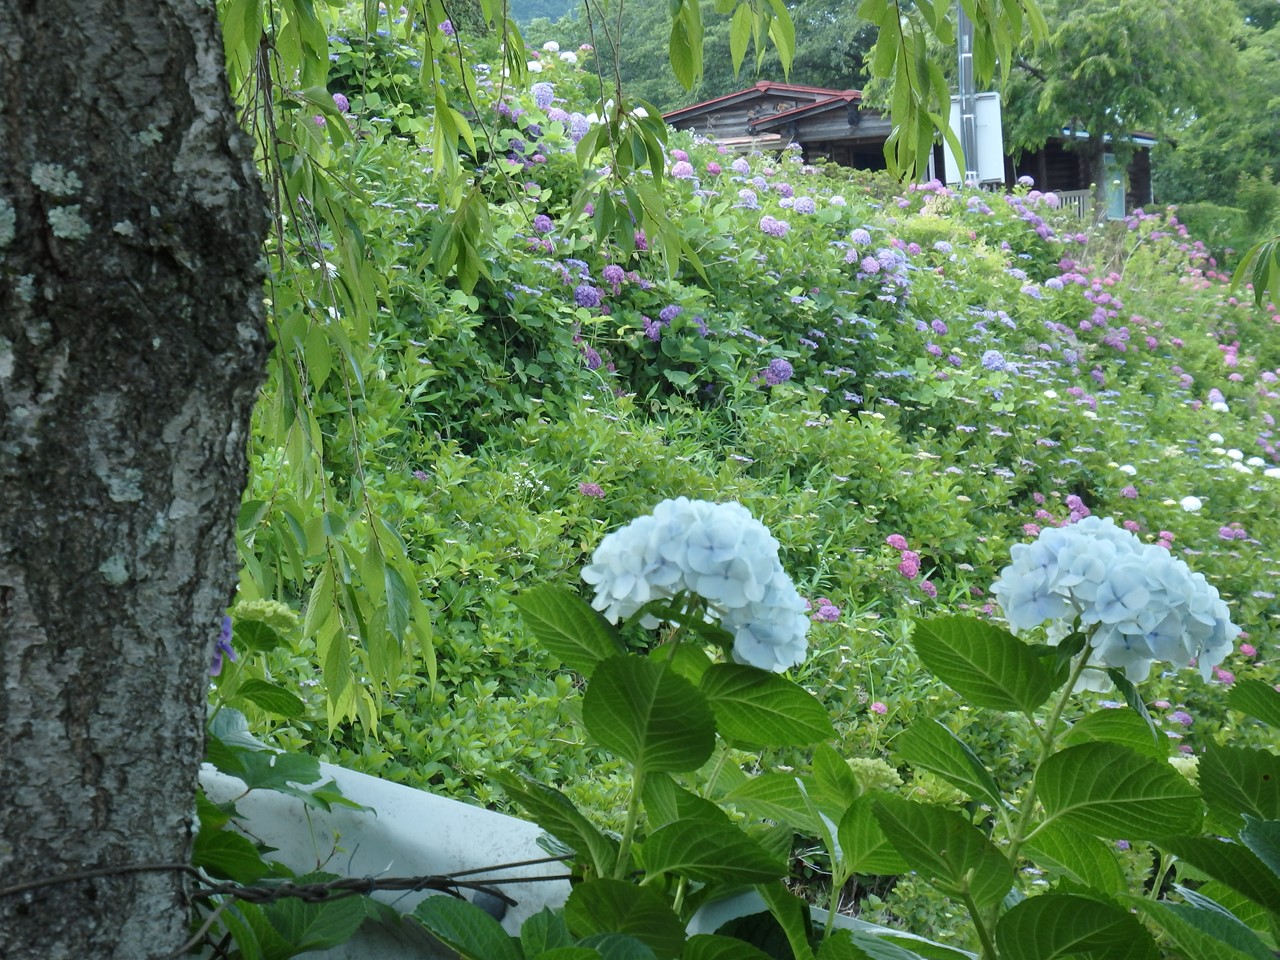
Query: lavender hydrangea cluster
(1138, 603)
(717, 551)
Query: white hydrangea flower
(717, 551)
(1138, 603)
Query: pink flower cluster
(826, 611)
(909, 565)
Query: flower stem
(629, 828)
(1048, 738)
(979, 924)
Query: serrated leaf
(863, 845)
(1111, 791)
(987, 666)
(706, 946)
(315, 926)
(616, 907)
(1231, 864)
(1263, 838)
(545, 930)
(617, 946)
(665, 801)
(946, 849)
(1054, 925)
(774, 796)
(556, 814)
(931, 746)
(254, 635)
(648, 714)
(1258, 699)
(272, 698)
(834, 786)
(566, 625)
(709, 851)
(466, 929)
(1082, 858)
(1202, 934)
(1119, 726)
(1239, 780)
(792, 915)
(754, 706)
(228, 856)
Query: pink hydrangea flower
(879, 708)
(897, 541)
(591, 490)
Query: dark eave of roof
(809, 109)
(762, 88)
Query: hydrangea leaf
(466, 929)
(774, 796)
(987, 666)
(556, 814)
(1202, 933)
(1119, 726)
(1056, 925)
(946, 849)
(649, 715)
(1111, 791)
(864, 845)
(1231, 864)
(1078, 856)
(754, 706)
(933, 747)
(1237, 781)
(666, 801)
(1263, 838)
(567, 626)
(616, 907)
(709, 852)
(1257, 698)
(709, 946)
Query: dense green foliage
(475, 379)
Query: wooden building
(833, 125)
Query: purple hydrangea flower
(682, 170)
(341, 102)
(994, 360)
(585, 295)
(447, 28)
(543, 94)
(773, 226)
(614, 275)
(778, 371)
(805, 205)
(591, 357)
(860, 236)
(223, 648)
(749, 199)
(741, 166)
(670, 312)
(591, 490)
(543, 224)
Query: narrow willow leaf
(466, 929)
(945, 848)
(1082, 858)
(1055, 925)
(1201, 933)
(648, 714)
(864, 846)
(754, 706)
(617, 907)
(931, 746)
(1119, 726)
(566, 625)
(1110, 791)
(709, 852)
(1258, 699)
(987, 666)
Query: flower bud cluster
(1137, 602)
(717, 551)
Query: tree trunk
(131, 348)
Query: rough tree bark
(131, 347)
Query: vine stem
(629, 828)
(1048, 738)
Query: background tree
(1115, 69)
(131, 346)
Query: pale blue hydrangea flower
(717, 551)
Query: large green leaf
(1262, 837)
(615, 906)
(706, 946)
(1258, 699)
(1239, 780)
(566, 625)
(754, 706)
(946, 849)
(774, 796)
(665, 801)
(1202, 933)
(1111, 791)
(792, 915)
(1119, 726)
(466, 929)
(545, 930)
(228, 856)
(1231, 864)
(270, 697)
(709, 852)
(648, 714)
(1054, 925)
(931, 746)
(987, 666)
(863, 845)
(834, 786)
(556, 814)
(316, 926)
(618, 946)
(1079, 856)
